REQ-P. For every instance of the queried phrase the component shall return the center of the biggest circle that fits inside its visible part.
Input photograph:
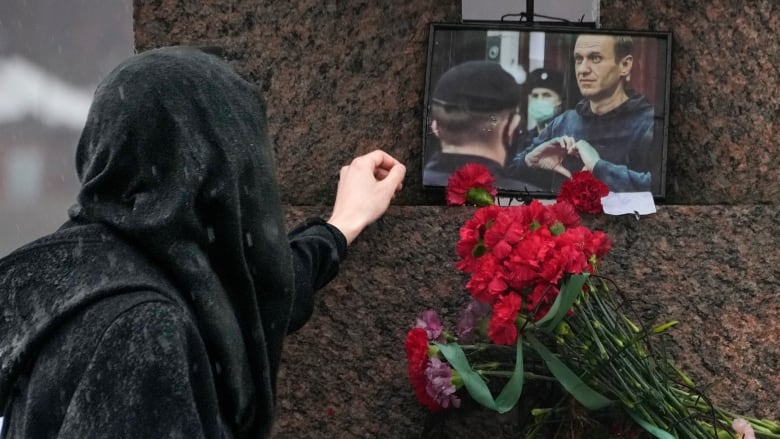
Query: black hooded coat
(159, 309)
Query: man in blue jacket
(609, 132)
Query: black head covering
(175, 158)
(546, 78)
(477, 86)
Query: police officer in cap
(474, 115)
(545, 96)
(545, 102)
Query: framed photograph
(536, 104)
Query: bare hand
(587, 153)
(366, 187)
(550, 155)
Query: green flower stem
(542, 419)
(622, 366)
(618, 351)
(476, 346)
(613, 355)
(596, 298)
(763, 427)
(493, 365)
(479, 347)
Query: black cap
(478, 86)
(546, 78)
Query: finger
(381, 159)
(380, 173)
(563, 171)
(394, 178)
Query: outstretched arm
(366, 187)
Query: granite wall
(342, 78)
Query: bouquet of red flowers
(518, 257)
(535, 289)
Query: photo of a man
(609, 132)
(474, 116)
(537, 105)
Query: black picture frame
(552, 47)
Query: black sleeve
(318, 249)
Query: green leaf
(510, 394)
(476, 385)
(569, 293)
(586, 396)
(652, 429)
(471, 380)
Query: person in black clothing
(546, 96)
(159, 309)
(545, 99)
(474, 116)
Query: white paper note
(622, 203)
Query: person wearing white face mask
(545, 102)
(545, 97)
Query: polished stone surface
(725, 95)
(343, 78)
(340, 78)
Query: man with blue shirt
(609, 132)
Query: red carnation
(471, 184)
(539, 301)
(505, 233)
(584, 192)
(417, 356)
(486, 274)
(599, 244)
(565, 213)
(533, 215)
(502, 329)
(470, 247)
